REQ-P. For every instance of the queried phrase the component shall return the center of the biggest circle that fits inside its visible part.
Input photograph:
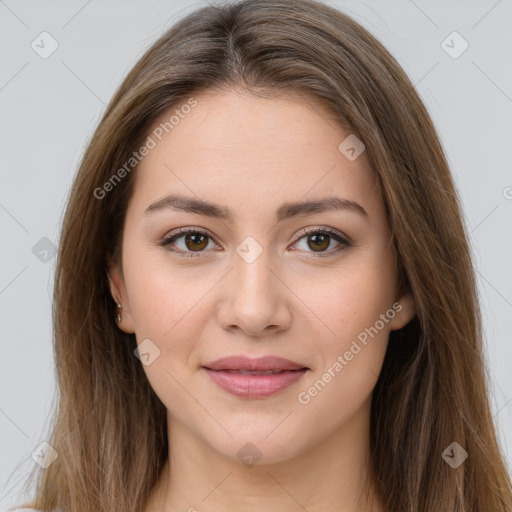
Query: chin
(260, 442)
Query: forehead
(240, 149)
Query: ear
(120, 296)
(405, 310)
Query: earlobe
(405, 310)
(123, 317)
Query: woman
(264, 294)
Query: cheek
(357, 310)
(164, 302)
(354, 301)
(351, 359)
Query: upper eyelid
(179, 232)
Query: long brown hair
(109, 427)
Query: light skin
(251, 155)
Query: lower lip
(254, 386)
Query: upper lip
(257, 364)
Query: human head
(271, 48)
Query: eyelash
(304, 233)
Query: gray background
(51, 106)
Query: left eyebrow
(284, 212)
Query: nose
(255, 299)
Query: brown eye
(195, 241)
(319, 240)
(191, 241)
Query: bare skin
(251, 155)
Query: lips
(254, 372)
(254, 365)
(254, 378)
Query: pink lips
(254, 378)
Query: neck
(332, 475)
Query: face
(315, 286)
